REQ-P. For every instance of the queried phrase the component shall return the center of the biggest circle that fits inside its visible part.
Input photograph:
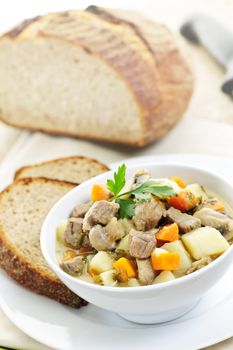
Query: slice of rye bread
(75, 169)
(23, 208)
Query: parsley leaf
(155, 188)
(116, 185)
(143, 197)
(141, 193)
(127, 207)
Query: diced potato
(101, 262)
(197, 191)
(127, 224)
(164, 276)
(185, 259)
(108, 278)
(123, 244)
(133, 282)
(87, 264)
(60, 231)
(205, 241)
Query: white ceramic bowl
(144, 304)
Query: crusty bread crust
(133, 58)
(32, 279)
(28, 275)
(20, 171)
(156, 37)
(21, 27)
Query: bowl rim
(137, 289)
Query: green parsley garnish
(152, 187)
(116, 185)
(127, 207)
(141, 193)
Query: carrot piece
(165, 261)
(184, 201)
(178, 181)
(99, 192)
(168, 233)
(125, 269)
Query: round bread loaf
(99, 74)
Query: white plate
(91, 328)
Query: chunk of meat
(147, 215)
(146, 273)
(114, 230)
(101, 212)
(73, 233)
(140, 176)
(141, 244)
(99, 240)
(185, 221)
(216, 219)
(80, 210)
(73, 266)
(85, 241)
(199, 264)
